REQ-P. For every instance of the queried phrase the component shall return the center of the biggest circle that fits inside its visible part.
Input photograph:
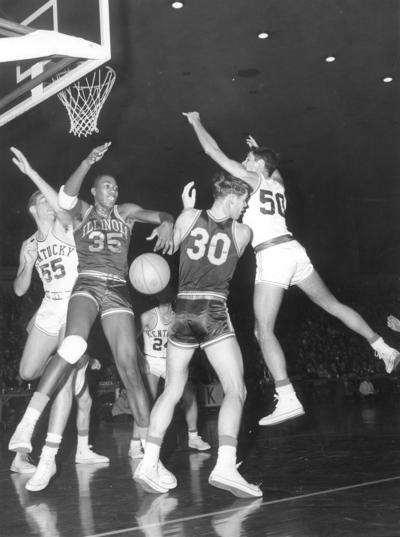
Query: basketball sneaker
(149, 478)
(85, 455)
(287, 407)
(167, 478)
(21, 464)
(196, 442)
(45, 470)
(390, 356)
(229, 479)
(21, 439)
(135, 450)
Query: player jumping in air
(281, 262)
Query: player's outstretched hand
(250, 141)
(189, 196)
(98, 152)
(393, 323)
(164, 234)
(192, 117)
(21, 161)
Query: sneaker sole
(283, 417)
(149, 485)
(22, 470)
(237, 489)
(92, 461)
(393, 367)
(37, 488)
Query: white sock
(151, 454)
(49, 451)
(83, 442)
(285, 390)
(31, 415)
(193, 434)
(376, 344)
(226, 456)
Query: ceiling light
(177, 5)
(387, 79)
(263, 35)
(330, 59)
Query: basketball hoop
(84, 100)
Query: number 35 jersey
(266, 210)
(57, 263)
(102, 244)
(208, 255)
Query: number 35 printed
(271, 204)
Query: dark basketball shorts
(200, 322)
(110, 296)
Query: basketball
(149, 273)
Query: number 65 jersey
(208, 256)
(266, 210)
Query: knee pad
(72, 348)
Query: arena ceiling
(335, 124)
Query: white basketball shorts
(156, 366)
(283, 265)
(51, 316)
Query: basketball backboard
(73, 40)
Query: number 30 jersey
(208, 256)
(266, 210)
(102, 244)
(57, 263)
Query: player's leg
(148, 472)
(59, 414)
(267, 301)
(226, 359)
(82, 312)
(314, 287)
(38, 348)
(119, 329)
(84, 453)
(190, 408)
(136, 450)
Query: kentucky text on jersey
(54, 250)
(105, 225)
(157, 333)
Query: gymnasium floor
(335, 472)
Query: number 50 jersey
(208, 256)
(266, 210)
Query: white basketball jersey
(155, 340)
(57, 263)
(266, 210)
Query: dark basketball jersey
(208, 255)
(102, 243)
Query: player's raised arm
(27, 258)
(163, 231)
(212, 149)
(68, 195)
(47, 190)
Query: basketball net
(84, 100)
